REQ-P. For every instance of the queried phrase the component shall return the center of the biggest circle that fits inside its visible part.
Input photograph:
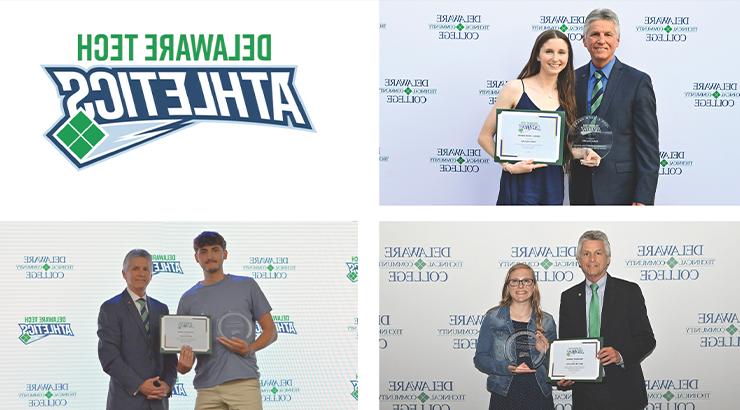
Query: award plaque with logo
(590, 133)
(575, 359)
(177, 331)
(529, 135)
(522, 345)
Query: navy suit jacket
(629, 173)
(129, 356)
(624, 326)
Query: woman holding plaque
(546, 83)
(513, 343)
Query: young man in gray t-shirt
(228, 377)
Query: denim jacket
(489, 353)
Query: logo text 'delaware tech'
(110, 109)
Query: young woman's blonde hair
(534, 301)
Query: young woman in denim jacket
(516, 385)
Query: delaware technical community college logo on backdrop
(107, 109)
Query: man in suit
(128, 346)
(613, 309)
(624, 98)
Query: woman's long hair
(566, 79)
(534, 301)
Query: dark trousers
(593, 396)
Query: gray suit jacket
(129, 356)
(630, 172)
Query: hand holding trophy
(590, 139)
(526, 344)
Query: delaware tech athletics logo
(107, 110)
(35, 328)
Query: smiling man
(228, 378)
(624, 98)
(128, 347)
(613, 309)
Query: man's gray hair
(136, 253)
(601, 14)
(594, 236)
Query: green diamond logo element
(274, 390)
(270, 268)
(716, 94)
(669, 396)
(420, 264)
(663, 163)
(25, 338)
(352, 269)
(563, 28)
(460, 160)
(459, 27)
(731, 330)
(667, 29)
(354, 394)
(352, 276)
(672, 262)
(408, 90)
(48, 394)
(80, 135)
(423, 397)
(46, 266)
(546, 264)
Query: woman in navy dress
(522, 383)
(546, 83)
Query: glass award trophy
(523, 344)
(235, 324)
(590, 132)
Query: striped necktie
(598, 93)
(594, 318)
(144, 313)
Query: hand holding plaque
(529, 135)
(178, 331)
(575, 360)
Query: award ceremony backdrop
(60, 273)
(437, 280)
(443, 63)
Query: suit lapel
(580, 305)
(612, 87)
(132, 311)
(581, 89)
(154, 315)
(610, 302)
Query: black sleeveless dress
(542, 186)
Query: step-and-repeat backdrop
(443, 63)
(437, 280)
(58, 274)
